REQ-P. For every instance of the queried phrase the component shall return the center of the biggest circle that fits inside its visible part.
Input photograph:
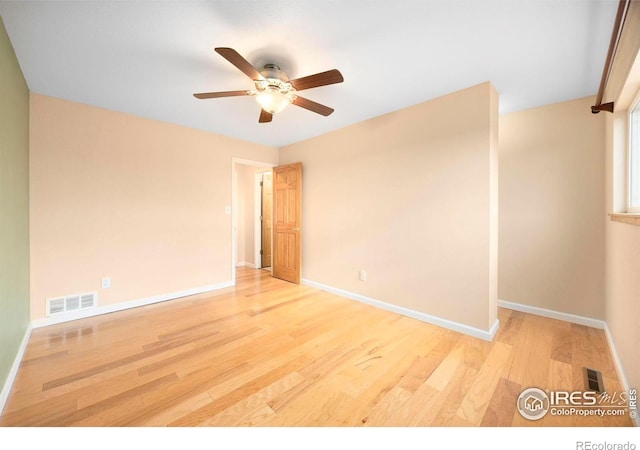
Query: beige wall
(623, 295)
(14, 207)
(406, 197)
(140, 201)
(551, 203)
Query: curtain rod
(623, 7)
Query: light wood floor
(269, 353)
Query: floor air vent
(593, 380)
(71, 303)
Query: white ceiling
(148, 57)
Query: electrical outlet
(106, 282)
(363, 275)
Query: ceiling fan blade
(265, 116)
(237, 60)
(312, 106)
(320, 79)
(220, 94)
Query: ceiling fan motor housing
(275, 91)
(274, 78)
(273, 71)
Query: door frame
(234, 202)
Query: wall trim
(246, 264)
(580, 320)
(486, 335)
(11, 377)
(619, 369)
(39, 323)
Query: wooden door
(287, 222)
(267, 209)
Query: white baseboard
(619, 369)
(580, 320)
(8, 384)
(38, 323)
(486, 335)
(246, 264)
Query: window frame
(633, 155)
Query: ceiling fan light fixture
(273, 99)
(273, 88)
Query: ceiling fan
(273, 88)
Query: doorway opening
(247, 214)
(282, 231)
(266, 222)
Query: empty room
(305, 214)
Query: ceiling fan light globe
(272, 100)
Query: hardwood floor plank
(502, 406)
(375, 385)
(582, 355)
(453, 396)
(49, 410)
(561, 346)
(428, 416)
(107, 416)
(197, 351)
(256, 417)
(244, 412)
(440, 377)
(421, 369)
(422, 399)
(511, 328)
(84, 414)
(47, 358)
(219, 404)
(387, 407)
(169, 414)
(473, 351)
(539, 351)
(560, 378)
(312, 373)
(98, 369)
(184, 389)
(366, 387)
(522, 344)
(317, 406)
(477, 400)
